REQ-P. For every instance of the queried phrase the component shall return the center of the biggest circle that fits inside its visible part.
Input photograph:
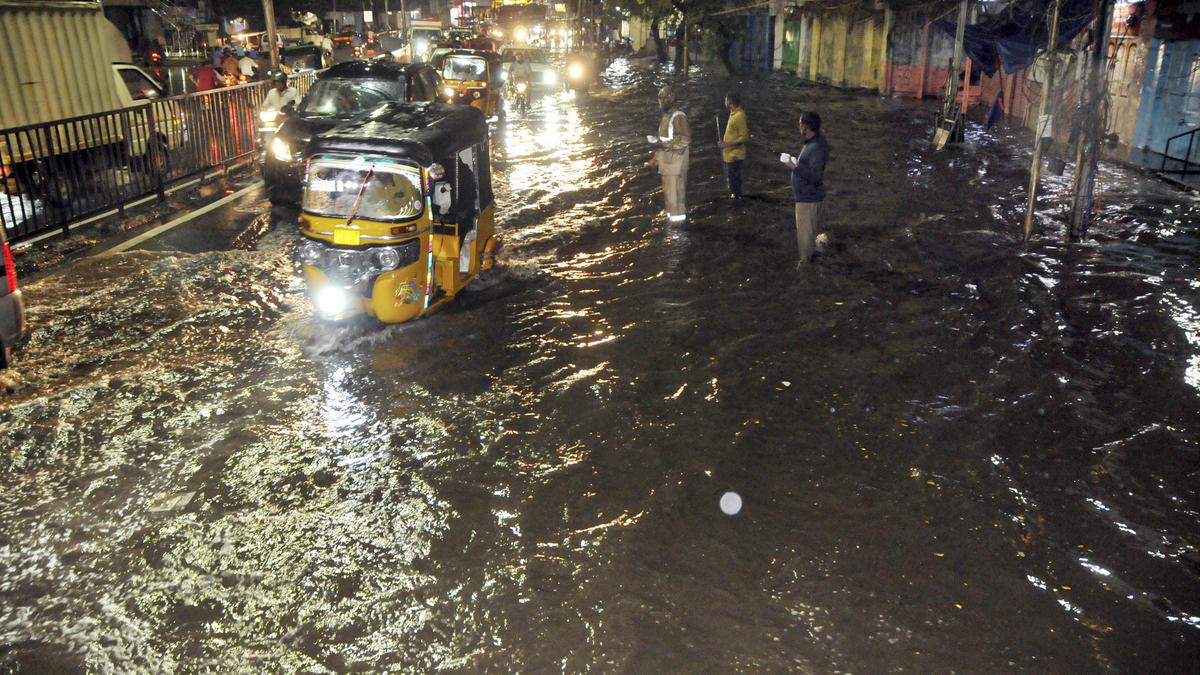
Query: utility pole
(686, 59)
(1047, 86)
(272, 33)
(1093, 127)
(387, 19)
(950, 120)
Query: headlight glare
(331, 301)
(280, 150)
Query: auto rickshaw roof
(490, 56)
(423, 132)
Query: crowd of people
(807, 167)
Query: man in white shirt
(281, 95)
(248, 65)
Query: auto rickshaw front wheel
(490, 248)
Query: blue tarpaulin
(1013, 36)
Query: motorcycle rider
(521, 71)
(248, 66)
(229, 64)
(281, 95)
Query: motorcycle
(520, 96)
(231, 80)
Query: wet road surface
(955, 453)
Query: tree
(658, 13)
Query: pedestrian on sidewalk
(733, 145)
(671, 154)
(808, 184)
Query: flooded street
(955, 452)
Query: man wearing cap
(671, 154)
(808, 184)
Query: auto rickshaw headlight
(449, 92)
(436, 171)
(387, 259)
(310, 252)
(475, 94)
(331, 301)
(575, 71)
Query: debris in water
(171, 501)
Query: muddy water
(955, 453)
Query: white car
(546, 77)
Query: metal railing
(1185, 162)
(56, 174)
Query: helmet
(279, 77)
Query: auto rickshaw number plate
(345, 237)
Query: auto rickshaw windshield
(465, 68)
(390, 191)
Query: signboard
(368, 16)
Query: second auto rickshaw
(473, 77)
(397, 213)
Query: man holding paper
(671, 154)
(808, 185)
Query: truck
(67, 63)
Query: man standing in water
(733, 146)
(671, 154)
(808, 186)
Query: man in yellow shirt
(733, 146)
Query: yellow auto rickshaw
(397, 212)
(473, 77)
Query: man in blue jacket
(808, 185)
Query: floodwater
(954, 452)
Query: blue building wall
(1170, 102)
(755, 49)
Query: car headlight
(575, 71)
(549, 78)
(310, 252)
(280, 150)
(268, 116)
(387, 258)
